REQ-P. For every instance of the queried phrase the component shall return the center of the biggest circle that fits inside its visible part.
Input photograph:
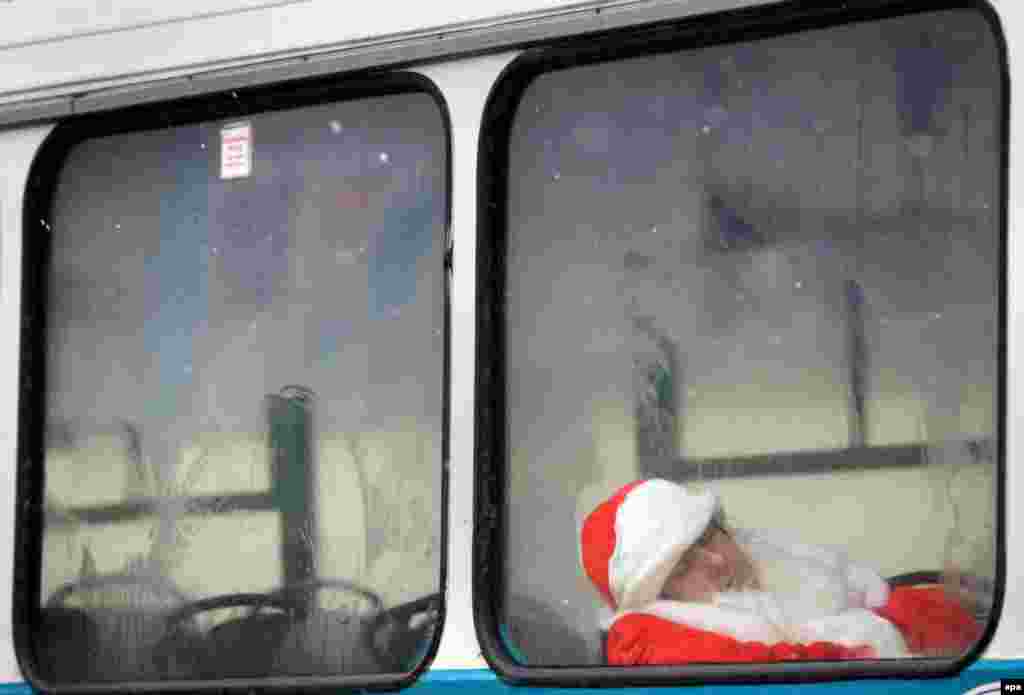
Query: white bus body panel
(17, 148)
(1008, 642)
(99, 47)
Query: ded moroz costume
(808, 603)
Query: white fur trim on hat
(655, 524)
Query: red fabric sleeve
(930, 621)
(638, 639)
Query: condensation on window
(244, 407)
(767, 268)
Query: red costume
(632, 541)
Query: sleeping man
(686, 588)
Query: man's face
(715, 563)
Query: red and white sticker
(236, 150)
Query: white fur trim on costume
(741, 625)
(868, 584)
(852, 628)
(857, 627)
(655, 524)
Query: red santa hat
(632, 541)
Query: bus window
(239, 461)
(748, 408)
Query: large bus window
(236, 460)
(746, 291)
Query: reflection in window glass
(244, 408)
(766, 271)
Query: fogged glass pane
(767, 269)
(244, 364)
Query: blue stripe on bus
(980, 673)
(482, 681)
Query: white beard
(806, 594)
(797, 583)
